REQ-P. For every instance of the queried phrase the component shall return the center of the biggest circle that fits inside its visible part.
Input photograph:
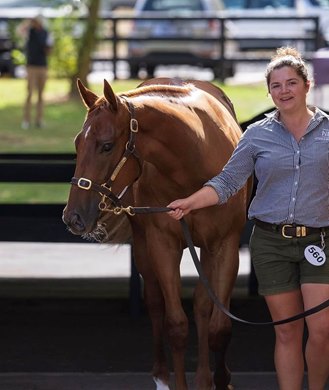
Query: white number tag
(315, 255)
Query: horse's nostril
(76, 224)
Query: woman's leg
(317, 347)
(42, 78)
(288, 355)
(30, 81)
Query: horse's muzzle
(74, 222)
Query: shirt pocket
(319, 153)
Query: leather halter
(105, 189)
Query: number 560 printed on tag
(315, 255)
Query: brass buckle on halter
(134, 125)
(84, 183)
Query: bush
(63, 58)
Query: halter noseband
(105, 189)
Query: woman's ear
(308, 85)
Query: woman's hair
(287, 56)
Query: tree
(87, 45)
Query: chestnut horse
(146, 147)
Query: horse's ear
(110, 96)
(88, 97)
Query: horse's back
(205, 86)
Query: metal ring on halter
(103, 206)
(130, 149)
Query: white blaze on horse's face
(87, 132)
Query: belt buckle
(283, 231)
(300, 231)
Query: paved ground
(61, 329)
(119, 381)
(80, 260)
(96, 344)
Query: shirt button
(293, 199)
(297, 166)
(291, 215)
(296, 183)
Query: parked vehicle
(11, 9)
(270, 34)
(6, 45)
(166, 45)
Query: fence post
(222, 51)
(115, 45)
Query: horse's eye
(107, 147)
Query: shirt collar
(319, 115)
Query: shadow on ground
(81, 334)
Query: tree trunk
(86, 48)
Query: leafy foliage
(63, 58)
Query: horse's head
(106, 164)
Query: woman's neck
(297, 122)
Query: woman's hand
(180, 208)
(205, 197)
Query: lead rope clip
(323, 243)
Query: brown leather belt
(290, 230)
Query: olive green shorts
(279, 262)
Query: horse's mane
(171, 91)
(168, 90)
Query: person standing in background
(38, 45)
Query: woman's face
(288, 90)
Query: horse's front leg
(154, 302)
(166, 261)
(155, 306)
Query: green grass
(63, 120)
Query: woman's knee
(318, 333)
(290, 333)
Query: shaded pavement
(81, 333)
(96, 343)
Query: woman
(289, 153)
(38, 46)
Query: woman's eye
(107, 147)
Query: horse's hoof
(160, 385)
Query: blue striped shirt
(293, 177)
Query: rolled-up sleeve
(236, 172)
